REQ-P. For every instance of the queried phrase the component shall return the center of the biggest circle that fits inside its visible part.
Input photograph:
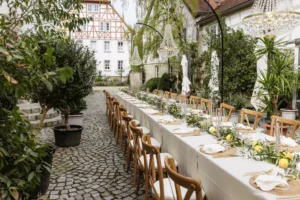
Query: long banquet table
(221, 178)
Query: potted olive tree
(68, 97)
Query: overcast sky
(129, 11)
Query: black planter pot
(45, 176)
(67, 138)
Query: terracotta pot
(284, 129)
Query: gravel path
(96, 169)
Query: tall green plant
(279, 83)
(239, 60)
(82, 63)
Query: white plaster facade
(114, 56)
(156, 68)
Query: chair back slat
(167, 95)
(206, 106)
(149, 165)
(174, 96)
(190, 184)
(228, 109)
(245, 113)
(195, 102)
(283, 122)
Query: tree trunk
(275, 105)
(44, 113)
(67, 125)
(141, 32)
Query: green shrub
(152, 83)
(166, 82)
(77, 106)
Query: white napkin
(172, 101)
(151, 112)
(269, 182)
(197, 111)
(213, 148)
(183, 130)
(261, 137)
(242, 126)
(289, 142)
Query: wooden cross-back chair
(206, 105)
(174, 96)
(151, 166)
(283, 122)
(116, 110)
(106, 101)
(135, 145)
(182, 98)
(111, 111)
(155, 91)
(181, 185)
(121, 124)
(226, 109)
(245, 113)
(167, 95)
(195, 102)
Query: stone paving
(96, 169)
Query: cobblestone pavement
(96, 169)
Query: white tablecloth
(221, 178)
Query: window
(101, 26)
(156, 71)
(120, 46)
(107, 64)
(84, 26)
(107, 26)
(90, 7)
(96, 8)
(120, 64)
(106, 46)
(93, 45)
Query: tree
(82, 63)
(239, 61)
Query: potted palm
(66, 97)
(279, 83)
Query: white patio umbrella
(262, 67)
(185, 80)
(214, 81)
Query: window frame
(93, 42)
(108, 65)
(121, 50)
(122, 67)
(107, 50)
(90, 6)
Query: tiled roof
(220, 6)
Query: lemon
(229, 138)
(258, 148)
(212, 130)
(283, 163)
(289, 155)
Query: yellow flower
(229, 138)
(283, 163)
